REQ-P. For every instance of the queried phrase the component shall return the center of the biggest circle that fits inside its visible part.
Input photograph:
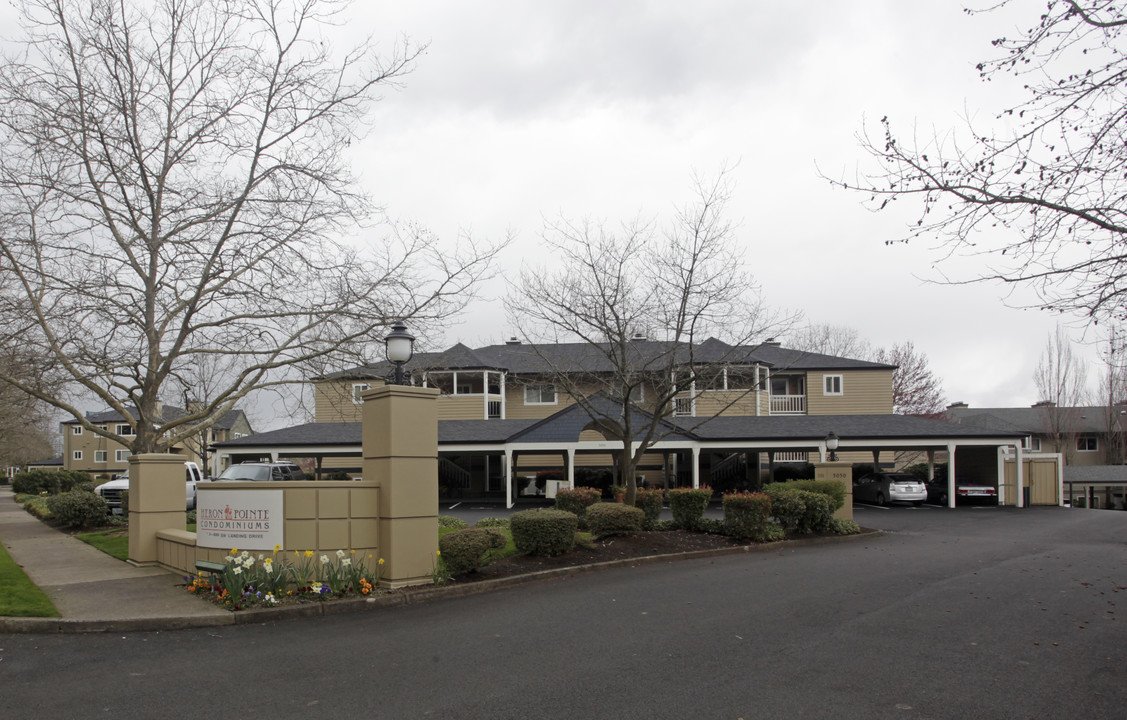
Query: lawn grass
(114, 545)
(19, 596)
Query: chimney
(512, 341)
(1043, 403)
(957, 405)
(772, 342)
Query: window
(1086, 443)
(121, 455)
(543, 394)
(99, 456)
(124, 429)
(358, 388)
(76, 430)
(683, 407)
(638, 394)
(1033, 443)
(77, 455)
(832, 385)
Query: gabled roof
(817, 427)
(526, 359)
(1034, 420)
(1096, 474)
(568, 423)
(226, 421)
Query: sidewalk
(91, 590)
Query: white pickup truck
(111, 491)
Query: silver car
(883, 488)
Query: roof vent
(1043, 403)
(772, 342)
(638, 335)
(513, 341)
(957, 405)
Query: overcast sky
(520, 111)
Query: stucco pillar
(841, 472)
(157, 501)
(400, 446)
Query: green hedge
(607, 519)
(688, 505)
(650, 501)
(449, 521)
(746, 515)
(52, 482)
(578, 500)
(464, 550)
(834, 489)
(801, 511)
(78, 509)
(544, 532)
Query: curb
(406, 597)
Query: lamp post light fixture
(399, 346)
(831, 445)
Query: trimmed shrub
(71, 479)
(840, 526)
(800, 511)
(819, 512)
(544, 532)
(124, 502)
(712, 526)
(787, 506)
(773, 533)
(607, 519)
(746, 515)
(578, 500)
(650, 502)
(833, 489)
(78, 509)
(36, 505)
(498, 537)
(688, 505)
(33, 482)
(464, 550)
(447, 521)
(492, 522)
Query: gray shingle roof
(1033, 420)
(846, 427)
(1096, 474)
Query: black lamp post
(399, 346)
(831, 445)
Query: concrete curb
(404, 597)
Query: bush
(598, 478)
(78, 509)
(71, 479)
(464, 550)
(713, 526)
(578, 500)
(773, 533)
(33, 482)
(36, 505)
(492, 522)
(833, 489)
(800, 511)
(746, 515)
(607, 519)
(447, 521)
(840, 526)
(801, 471)
(650, 502)
(124, 502)
(688, 505)
(544, 532)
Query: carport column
(508, 478)
(841, 472)
(400, 446)
(157, 501)
(950, 476)
(571, 468)
(930, 465)
(696, 468)
(1018, 462)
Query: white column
(930, 465)
(696, 467)
(822, 451)
(571, 468)
(1018, 475)
(508, 478)
(950, 476)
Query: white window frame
(76, 455)
(76, 430)
(129, 431)
(99, 456)
(121, 455)
(681, 402)
(1033, 443)
(358, 388)
(833, 385)
(1088, 440)
(540, 393)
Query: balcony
(788, 404)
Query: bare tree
(641, 304)
(827, 339)
(175, 190)
(1112, 399)
(916, 390)
(1061, 379)
(25, 422)
(1042, 195)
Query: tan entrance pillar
(157, 501)
(400, 446)
(840, 472)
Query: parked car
(882, 488)
(111, 491)
(261, 472)
(965, 491)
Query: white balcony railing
(790, 457)
(788, 404)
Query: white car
(111, 491)
(882, 488)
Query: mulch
(641, 545)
